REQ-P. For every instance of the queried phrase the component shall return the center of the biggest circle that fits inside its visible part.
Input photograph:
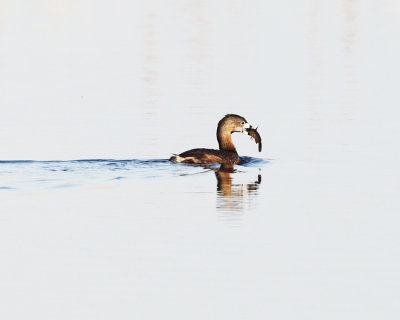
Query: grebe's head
(233, 123)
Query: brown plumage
(202, 155)
(227, 153)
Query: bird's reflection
(233, 198)
(224, 185)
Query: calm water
(306, 229)
(231, 189)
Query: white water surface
(95, 223)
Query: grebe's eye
(242, 123)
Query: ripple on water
(29, 174)
(252, 162)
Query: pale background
(144, 79)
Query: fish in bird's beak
(253, 133)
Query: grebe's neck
(224, 138)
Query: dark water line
(61, 174)
(85, 161)
(245, 161)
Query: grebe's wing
(201, 155)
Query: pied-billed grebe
(227, 153)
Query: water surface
(307, 229)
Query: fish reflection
(235, 197)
